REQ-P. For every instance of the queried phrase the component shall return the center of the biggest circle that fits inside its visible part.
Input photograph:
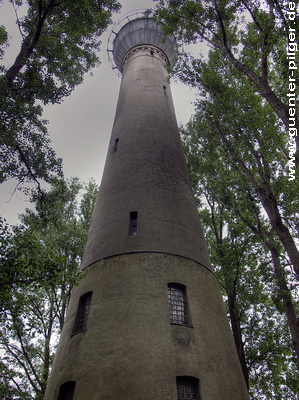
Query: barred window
(133, 223)
(187, 388)
(82, 313)
(177, 304)
(66, 391)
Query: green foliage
(252, 35)
(3, 40)
(245, 274)
(235, 152)
(39, 265)
(60, 41)
(242, 263)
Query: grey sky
(80, 127)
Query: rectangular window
(177, 304)
(82, 313)
(133, 223)
(187, 388)
(66, 391)
(115, 147)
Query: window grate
(177, 304)
(187, 388)
(82, 313)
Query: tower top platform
(137, 29)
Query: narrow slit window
(177, 304)
(115, 146)
(152, 52)
(133, 223)
(164, 89)
(66, 391)
(187, 388)
(82, 313)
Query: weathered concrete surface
(147, 173)
(130, 351)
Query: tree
(229, 256)
(231, 143)
(247, 281)
(252, 35)
(39, 266)
(60, 41)
(236, 149)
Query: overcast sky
(80, 127)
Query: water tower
(147, 320)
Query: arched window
(187, 388)
(82, 313)
(178, 309)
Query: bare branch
(17, 18)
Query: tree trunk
(268, 200)
(269, 203)
(230, 288)
(29, 44)
(281, 109)
(286, 296)
(236, 328)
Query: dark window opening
(66, 391)
(164, 89)
(115, 147)
(133, 223)
(187, 388)
(177, 304)
(82, 313)
(152, 52)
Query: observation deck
(137, 29)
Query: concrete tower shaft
(145, 169)
(147, 320)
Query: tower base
(130, 350)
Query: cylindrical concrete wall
(147, 173)
(130, 349)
